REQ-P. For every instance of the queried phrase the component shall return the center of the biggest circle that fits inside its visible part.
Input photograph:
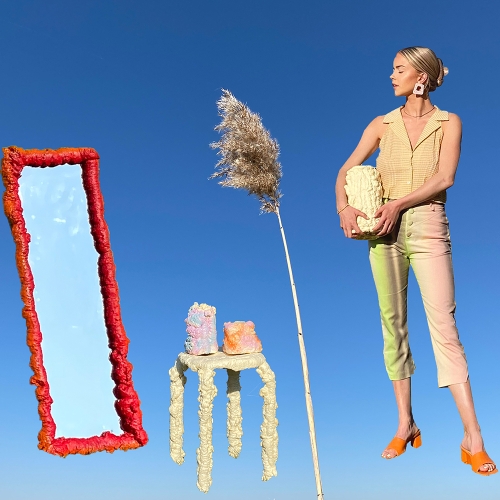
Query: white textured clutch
(364, 192)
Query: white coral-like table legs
(268, 429)
(234, 418)
(177, 382)
(207, 393)
(205, 366)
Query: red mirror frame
(127, 403)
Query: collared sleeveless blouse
(403, 169)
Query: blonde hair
(424, 60)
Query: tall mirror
(78, 345)
(68, 300)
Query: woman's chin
(399, 93)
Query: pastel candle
(201, 330)
(240, 338)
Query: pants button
(411, 210)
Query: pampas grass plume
(249, 160)
(249, 155)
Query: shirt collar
(396, 119)
(395, 115)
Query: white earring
(418, 89)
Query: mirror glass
(68, 299)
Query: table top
(236, 362)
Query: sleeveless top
(403, 169)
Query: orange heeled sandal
(399, 445)
(477, 460)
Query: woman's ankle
(472, 432)
(406, 422)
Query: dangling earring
(418, 89)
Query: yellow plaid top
(403, 169)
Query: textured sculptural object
(364, 192)
(240, 338)
(79, 348)
(201, 330)
(206, 366)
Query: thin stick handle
(305, 371)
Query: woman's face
(404, 76)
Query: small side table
(206, 366)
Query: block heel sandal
(399, 445)
(477, 460)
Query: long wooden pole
(305, 371)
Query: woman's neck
(418, 105)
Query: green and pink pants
(421, 240)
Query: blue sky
(138, 81)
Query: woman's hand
(348, 223)
(388, 214)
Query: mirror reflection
(68, 299)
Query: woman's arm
(367, 145)
(443, 179)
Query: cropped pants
(421, 239)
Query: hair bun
(443, 71)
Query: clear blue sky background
(138, 81)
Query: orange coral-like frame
(127, 403)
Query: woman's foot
(405, 432)
(474, 444)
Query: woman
(419, 151)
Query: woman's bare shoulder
(453, 122)
(454, 118)
(378, 120)
(377, 126)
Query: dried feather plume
(249, 156)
